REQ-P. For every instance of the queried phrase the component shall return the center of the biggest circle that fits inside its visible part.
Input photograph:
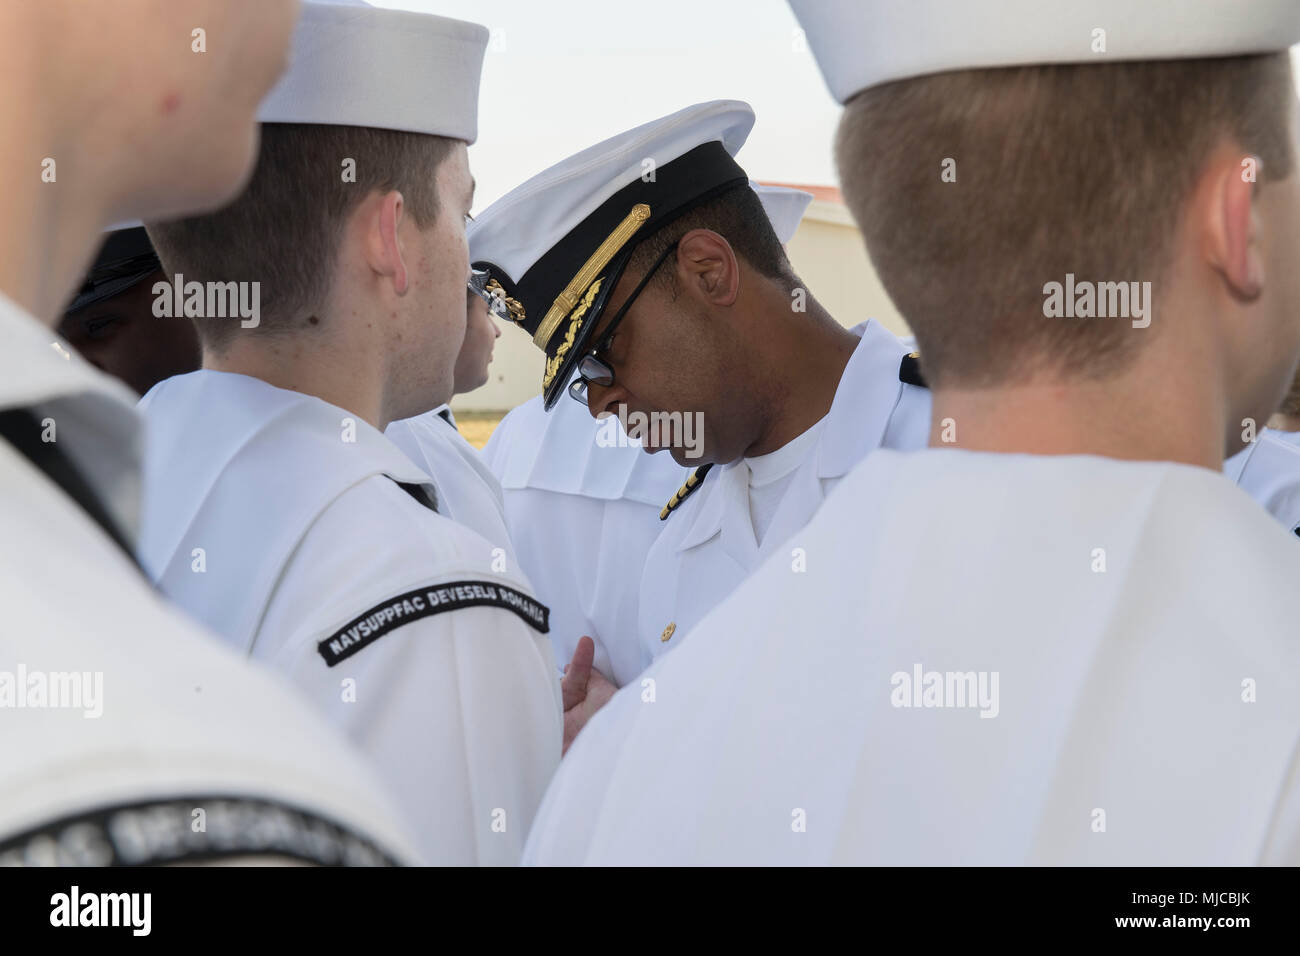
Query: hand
(583, 689)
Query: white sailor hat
(352, 64)
(784, 206)
(864, 43)
(556, 246)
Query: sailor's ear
(1227, 216)
(378, 220)
(707, 265)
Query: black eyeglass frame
(590, 368)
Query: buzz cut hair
(1062, 169)
(284, 230)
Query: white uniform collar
(865, 399)
(94, 415)
(561, 451)
(32, 370)
(200, 423)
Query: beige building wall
(826, 252)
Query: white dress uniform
(1268, 469)
(711, 542)
(156, 720)
(297, 532)
(468, 492)
(583, 512)
(308, 540)
(1158, 699)
(991, 658)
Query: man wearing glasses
(1078, 547)
(647, 271)
(560, 470)
(278, 513)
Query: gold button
(668, 632)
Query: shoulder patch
(369, 626)
(909, 370)
(685, 491)
(160, 833)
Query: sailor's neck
(1095, 418)
(1285, 423)
(802, 381)
(303, 363)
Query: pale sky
(561, 75)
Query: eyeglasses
(496, 302)
(592, 370)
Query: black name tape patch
(162, 832)
(371, 625)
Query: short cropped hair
(1067, 169)
(736, 214)
(284, 230)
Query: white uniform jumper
(298, 533)
(991, 659)
(468, 493)
(120, 721)
(1268, 469)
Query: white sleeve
(570, 815)
(458, 708)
